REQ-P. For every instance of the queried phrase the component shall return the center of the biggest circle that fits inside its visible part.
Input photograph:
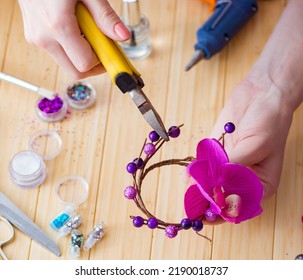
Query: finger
(58, 54)
(75, 46)
(107, 19)
(248, 152)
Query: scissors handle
(107, 50)
(12, 232)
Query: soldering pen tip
(198, 55)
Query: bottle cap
(131, 12)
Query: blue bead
(186, 223)
(197, 225)
(139, 162)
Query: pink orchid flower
(227, 189)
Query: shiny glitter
(79, 92)
(50, 106)
(80, 95)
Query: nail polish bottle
(139, 44)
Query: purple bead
(153, 136)
(229, 127)
(130, 192)
(149, 149)
(139, 162)
(131, 168)
(197, 225)
(186, 223)
(138, 221)
(174, 131)
(152, 223)
(299, 257)
(171, 231)
(210, 215)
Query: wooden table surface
(100, 141)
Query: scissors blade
(13, 214)
(149, 112)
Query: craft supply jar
(27, 168)
(80, 95)
(51, 110)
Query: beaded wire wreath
(221, 188)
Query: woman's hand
(52, 26)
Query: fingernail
(121, 31)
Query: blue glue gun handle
(225, 22)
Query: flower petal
(212, 151)
(233, 205)
(194, 203)
(201, 172)
(239, 180)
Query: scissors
(122, 72)
(6, 239)
(9, 211)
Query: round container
(51, 110)
(27, 168)
(80, 95)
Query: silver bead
(71, 224)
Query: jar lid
(72, 190)
(26, 163)
(46, 143)
(51, 110)
(80, 95)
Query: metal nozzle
(198, 55)
(131, 12)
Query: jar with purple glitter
(51, 110)
(80, 95)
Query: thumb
(107, 19)
(247, 152)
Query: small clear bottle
(139, 45)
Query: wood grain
(100, 141)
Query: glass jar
(27, 169)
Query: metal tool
(24, 84)
(227, 19)
(120, 69)
(8, 239)
(15, 216)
